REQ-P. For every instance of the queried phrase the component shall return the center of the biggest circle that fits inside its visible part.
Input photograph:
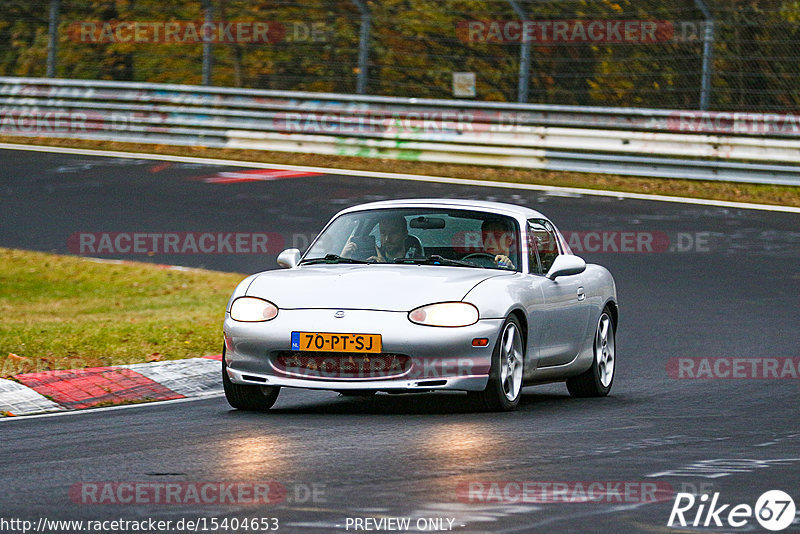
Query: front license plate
(324, 342)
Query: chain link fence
(730, 55)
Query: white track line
(402, 176)
(209, 395)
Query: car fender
(497, 298)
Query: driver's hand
(503, 261)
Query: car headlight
(252, 310)
(445, 314)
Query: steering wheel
(481, 259)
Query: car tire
(250, 398)
(504, 389)
(598, 379)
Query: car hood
(372, 287)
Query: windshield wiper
(332, 258)
(435, 259)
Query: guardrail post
(363, 46)
(52, 43)
(524, 56)
(708, 53)
(209, 14)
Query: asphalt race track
(726, 285)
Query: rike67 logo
(774, 510)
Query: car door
(565, 314)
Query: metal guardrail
(744, 147)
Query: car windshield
(458, 238)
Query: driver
(497, 239)
(394, 241)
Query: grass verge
(67, 312)
(731, 191)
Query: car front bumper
(435, 357)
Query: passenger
(394, 242)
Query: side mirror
(565, 265)
(289, 258)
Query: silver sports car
(421, 295)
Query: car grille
(338, 365)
